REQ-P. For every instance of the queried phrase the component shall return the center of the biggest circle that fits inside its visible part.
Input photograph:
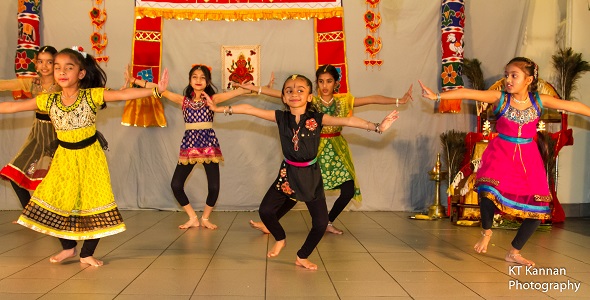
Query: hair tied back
(80, 50)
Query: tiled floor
(382, 255)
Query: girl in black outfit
(299, 177)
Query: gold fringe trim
(193, 161)
(515, 212)
(238, 15)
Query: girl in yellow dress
(75, 200)
(29, 166)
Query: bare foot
(192, 222)
(517, 258)
(90, 260)
(276, 249)
(482, 245)
(332, 229)
(260, 226)
(304, 262)
(205, 223)
(64, 254)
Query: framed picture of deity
(240, 64)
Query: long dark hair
(308, 106)
(530, 68)
(210, 89)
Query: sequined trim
(540, 198)
(80, 114)
(513, 208)
(488, 180)
(521, 116)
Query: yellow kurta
(75, 200)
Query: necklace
(520, 101)
(295, 139)
(70, 96)
(327, 103)
(196, 104)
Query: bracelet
(437, 97)
(260, 90)
(156, 93)
(368, 129)
(377, 128)
(228, 110)
(396, 102)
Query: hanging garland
(372, 41)
(98, 38)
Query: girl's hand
(389, 119)
(426, 92)
(408, 95)
(245, 85)
(271, 82)
(210, 103)
(127, 78)
(163, 83)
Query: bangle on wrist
(156, 93)
(396, 102)
(437, 97)
(377, 128)
(260, 90)
(225, 111)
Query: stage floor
(381, 255)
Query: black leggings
(23, 194)
(346, 194)
(87, 248)
(525, 231)
(275, 205)
(182, 172)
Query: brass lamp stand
(436, 210)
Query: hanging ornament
(372, 40)
(98, 38)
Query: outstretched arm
(567, 105)
(221, 97)
(129, 94)
(379, 99)
(361, 123)
(12, 107)
(469, 94)
(245, 109)
(266, 90)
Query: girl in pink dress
(512, 176)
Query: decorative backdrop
(329, 38)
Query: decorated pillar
(331, 49)
(28, 42)
(146, 60)
(452, 24)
